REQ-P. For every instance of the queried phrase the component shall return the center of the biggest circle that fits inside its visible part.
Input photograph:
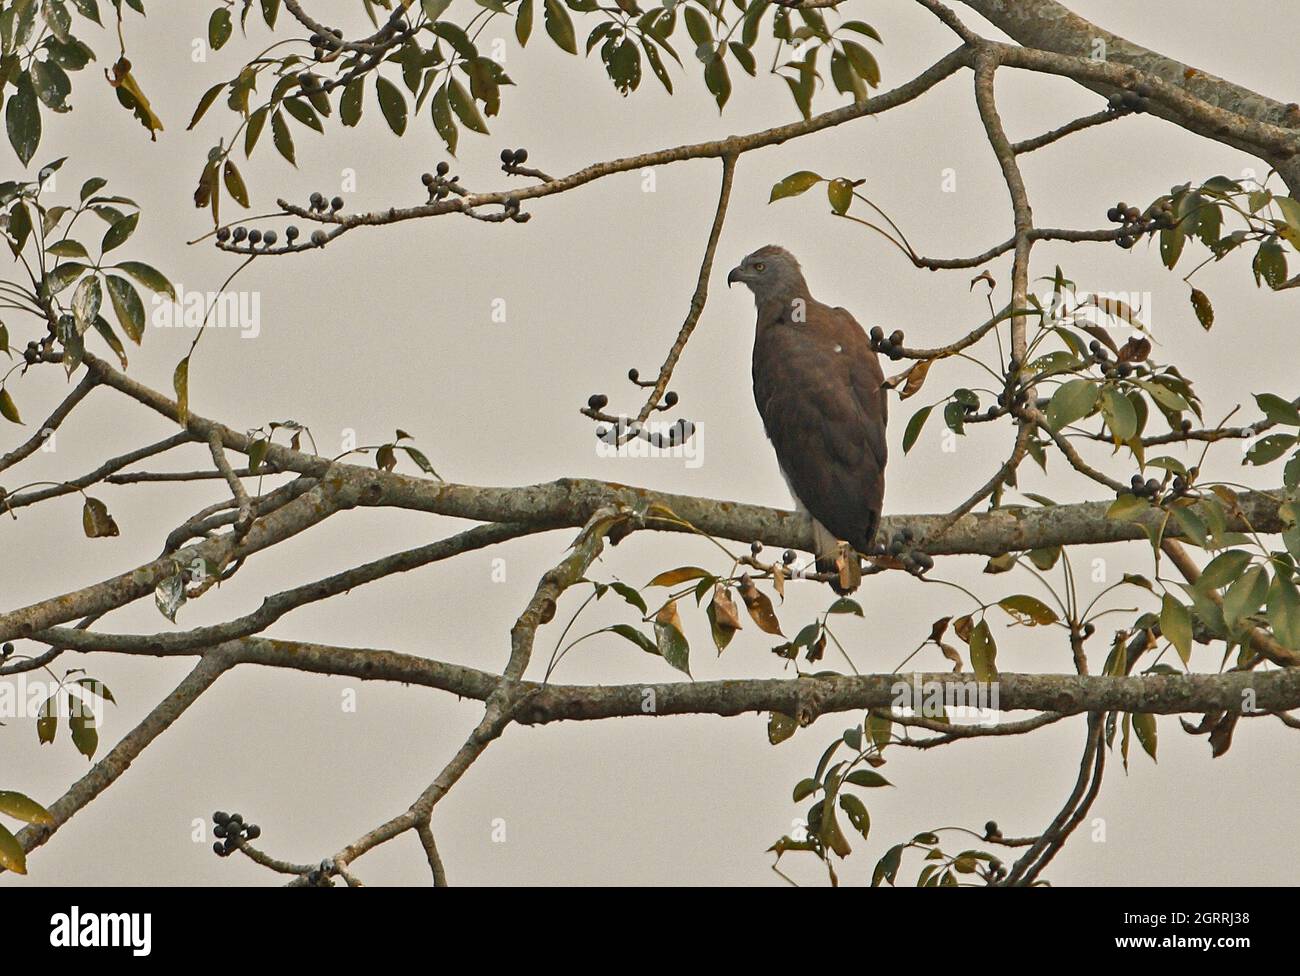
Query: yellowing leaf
(794, 184)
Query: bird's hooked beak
(734, 275)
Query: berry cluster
(915, 562)
(248, 240)
(1136, 99)
(232, 829)
(891, 346)
(438, 183)
(1158, 216)
(254, 237)
(1118, 370)
(317, 201)
(1152, 489)
(513, 158)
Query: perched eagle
(819, 390)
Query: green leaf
(1164, 396)
(235, 183)
(256, 122)
(304, 113)
(443, 121)
(887, 867)
(8, 409)
(23, 118)
(1278, 410)
(1172, 240)
(281, 137)
(697, 26)
(1072, 402)
(794, 184)
(845, 605)
(219, 28)
(118, 233)
(84, 734)
(780, 727)
(91, 187)
(657, 65)
(804, 789)
(840, 194)
(861, 28)
(914, 426)
(672, 645)
(856, 811)
(1176, 625)
(52, 85)
(629, 594)
(1126, 507)
(350, 103)
(1223, 569)
(68, 249)
(1119, 414)
(1269, 264)
(983, 652)
(1268, 449)
(463, 105)
(1284, 611)
(1246, 595)
(1028, 609)
(629, 632)
(86, 301)
(863, 61)
(57, 19)
(1144, 724)
(433, 9)
(12, 856)
(559, 26)
(717, 80)
(523, 21)
(148, 276)
(866, 778)
(110, 337)
(392, 103)
(127, 307)
(24, 808)
(1193, 526)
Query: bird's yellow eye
(759, 266)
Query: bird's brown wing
(818, 389)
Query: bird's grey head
(771, 272)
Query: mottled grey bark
(1051, 26)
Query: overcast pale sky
(393, 327)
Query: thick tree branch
(1207, 105)
(539, 704)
